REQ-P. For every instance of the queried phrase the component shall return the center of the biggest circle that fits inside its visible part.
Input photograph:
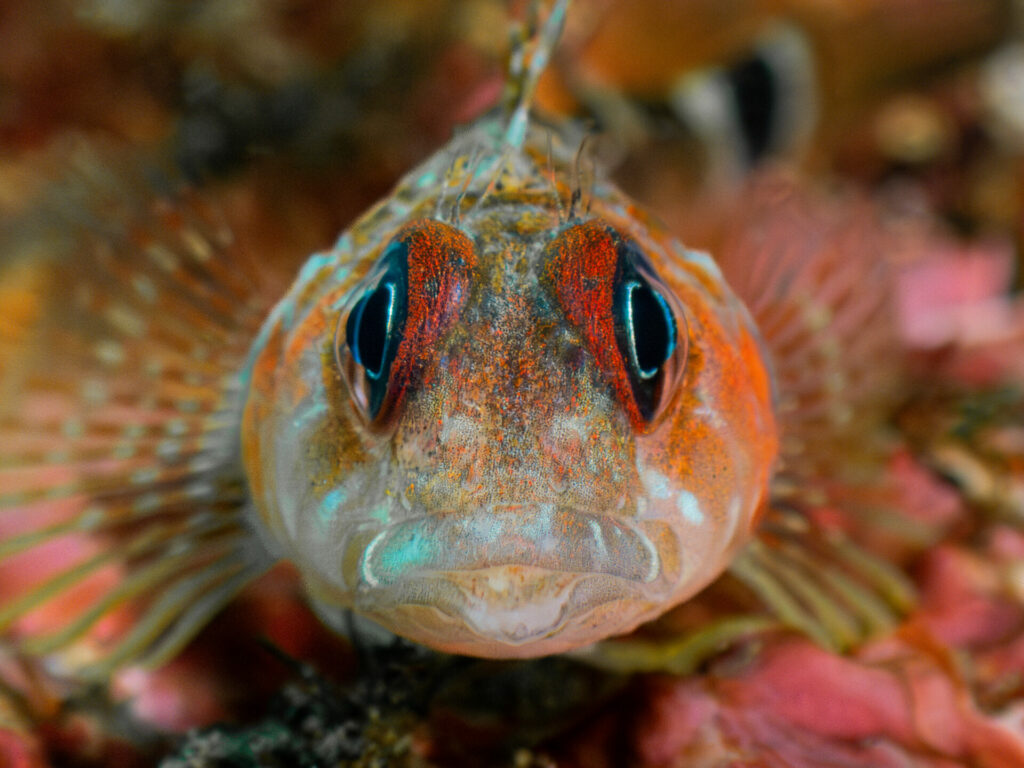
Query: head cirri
(503, 428)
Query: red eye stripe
(581, 268)
(441, 260)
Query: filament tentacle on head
(532, 46)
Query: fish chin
(517, 582)
(510, 611)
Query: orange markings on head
(440, 262)
(581, 268)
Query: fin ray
(814, 271)
(821, 583)
(136, 310)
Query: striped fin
(816, 276)
(816, 273)
(128, 317)
(821, 583)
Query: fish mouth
(515, 581)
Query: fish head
(512, 430)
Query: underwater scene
(512, 383)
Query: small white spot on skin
(710, 415)
(574, 425)
(498, 581)
(657, 484)
(689, 507)
(599, 538)
(459, 429)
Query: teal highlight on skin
(343, 244)
(314, 264)
(517, 129)
(537, 526)
(542, 46)
(309, 414)
(405, 555)
(328, 509)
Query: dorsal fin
(122, 526)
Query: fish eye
(631, 321)
(390, 322)
(651, 329)
(646, 330)
(374, 325)
(368, 330)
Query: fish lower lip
(564, 540)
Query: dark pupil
(367, 329)
(652, 329)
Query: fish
(780, 80)
(507, 414)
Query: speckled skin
(509, 503)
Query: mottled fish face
(512, 436)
